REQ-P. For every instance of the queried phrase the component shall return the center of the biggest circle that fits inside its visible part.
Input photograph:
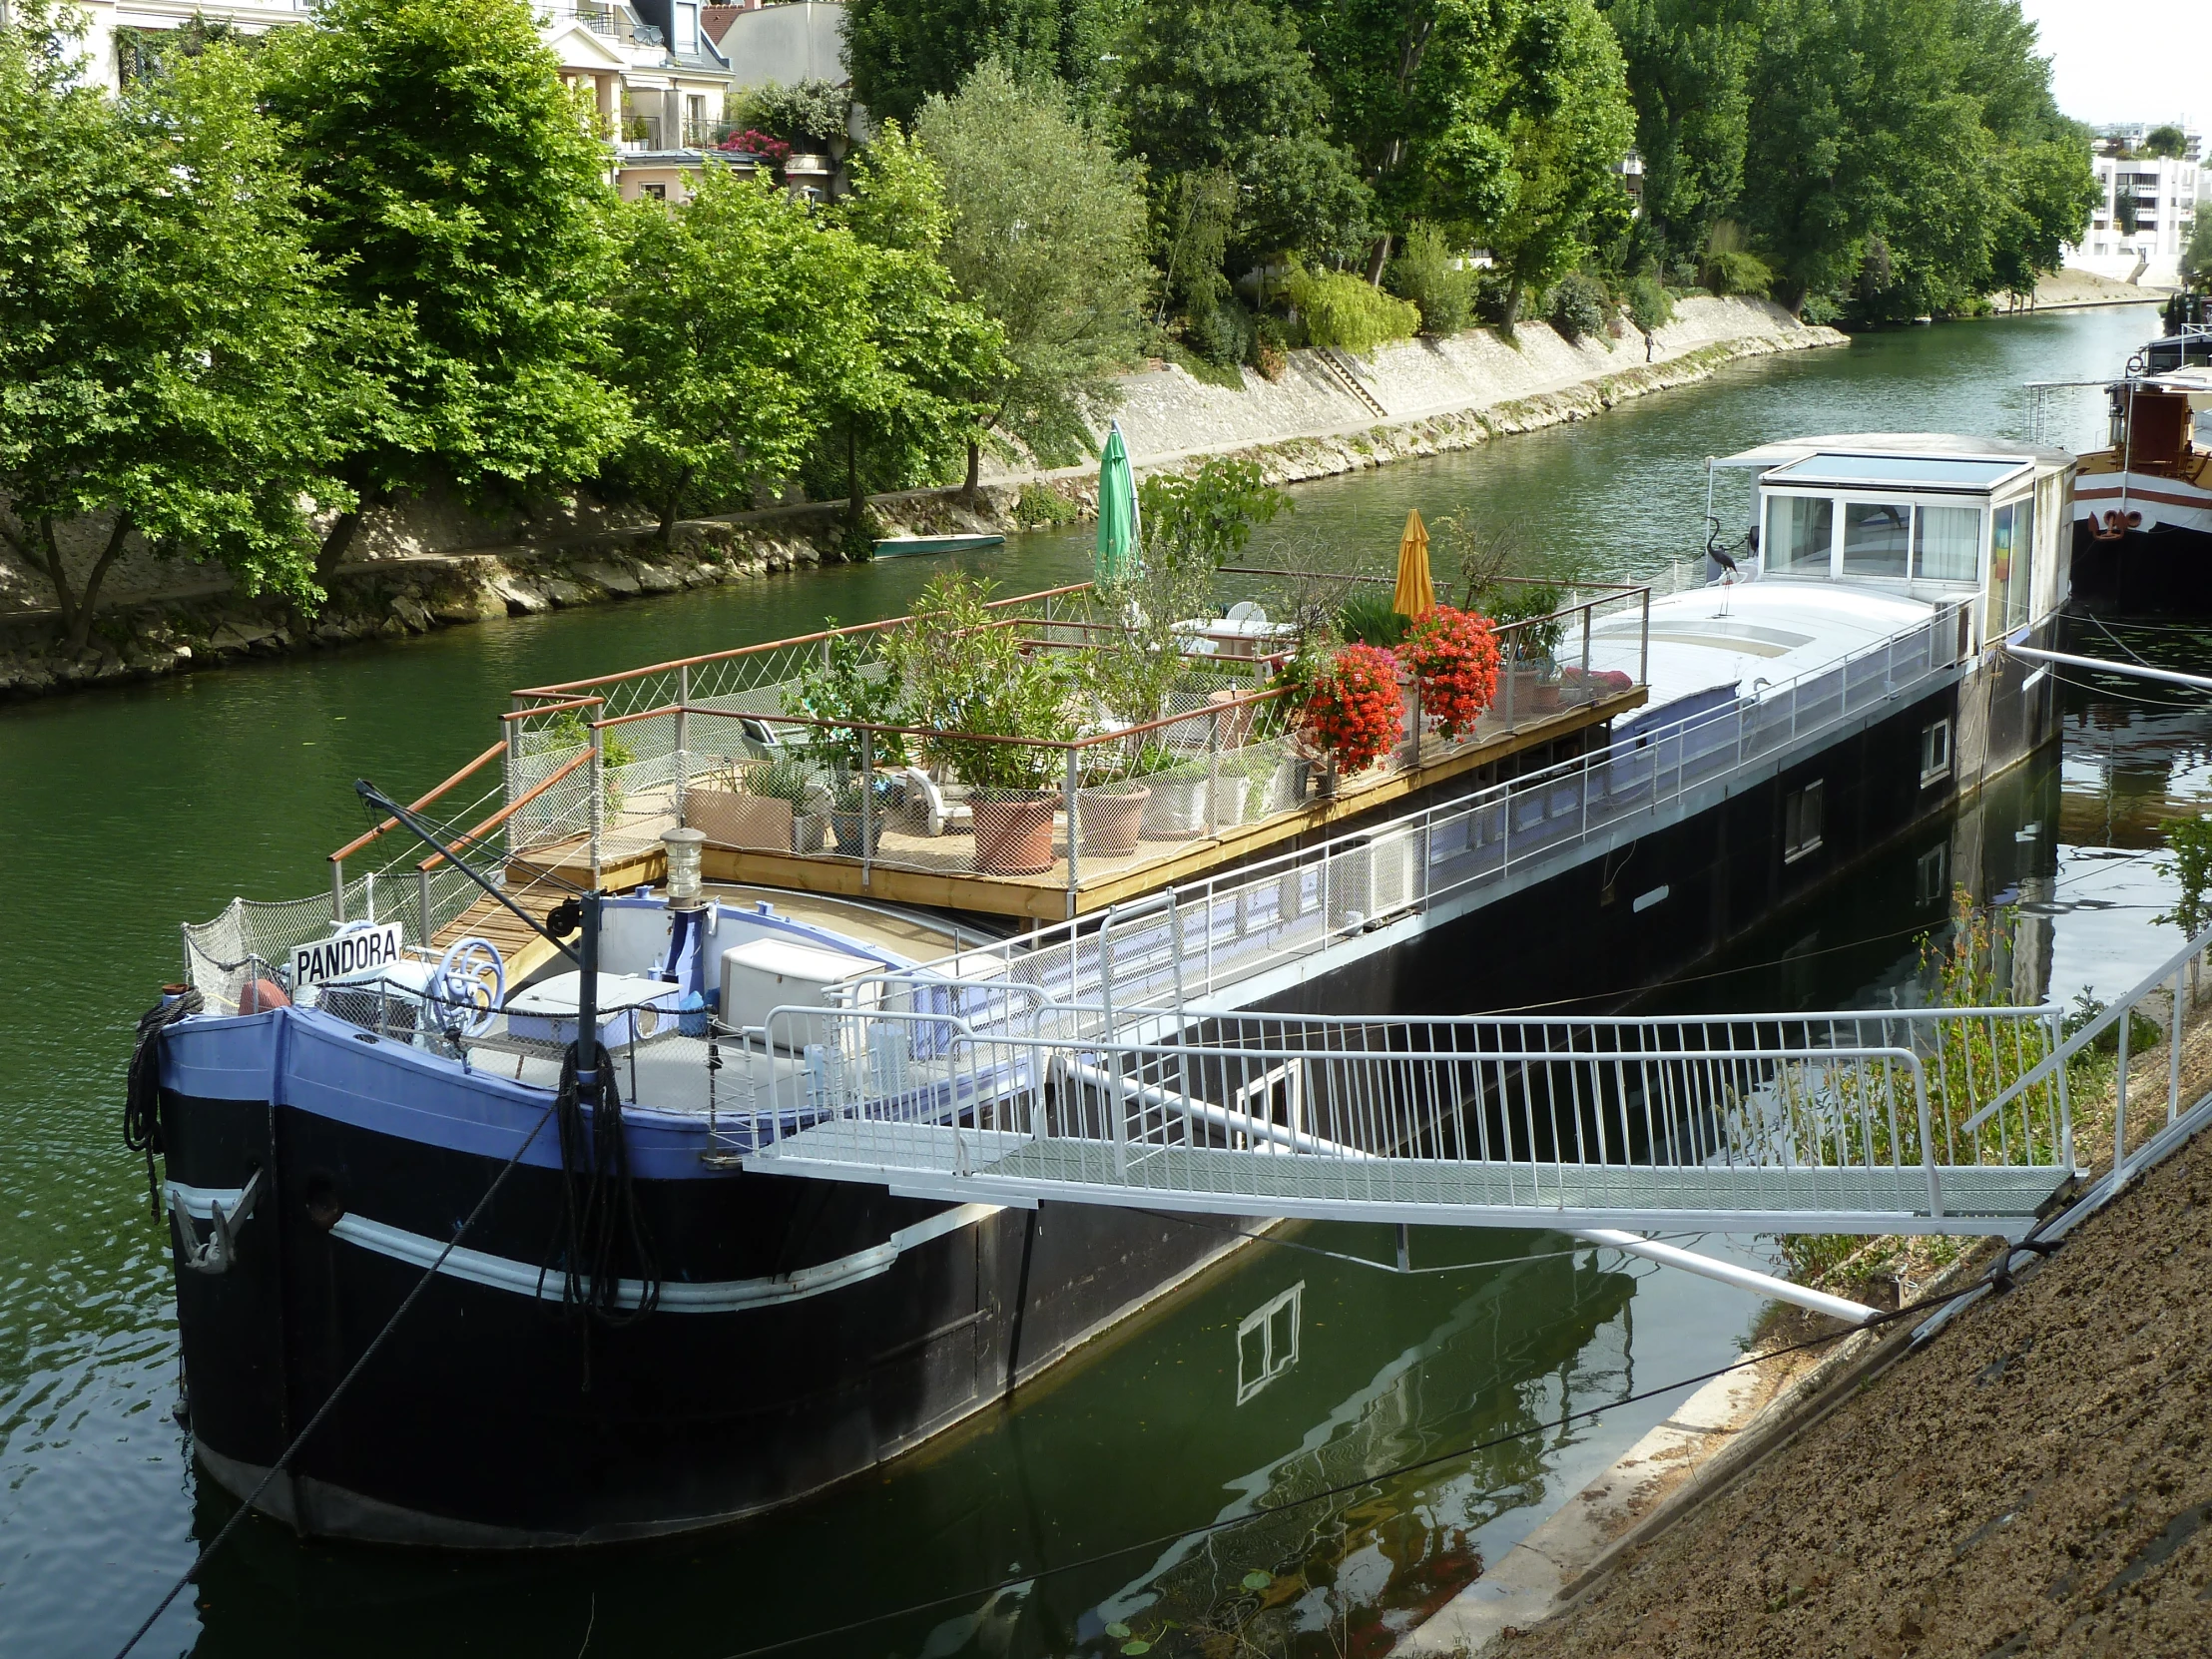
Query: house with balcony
(2147, 210)
(660, 85)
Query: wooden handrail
(358, 841)
(1201, 712)
(553, 708)
(504, 813)
(570, 686)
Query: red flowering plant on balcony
(752, 142)
(1353, 711)
(1453, 656)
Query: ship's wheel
(469, 986)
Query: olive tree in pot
(856, 682)
(969, 681)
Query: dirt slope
(2038, 1481)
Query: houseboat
(2143, 505)
(620, 1328)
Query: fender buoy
(259, 996)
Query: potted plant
(859, 832)
(1454, 658)
(969, 681)
(791, 779)
(1354, 712)
(1113, 804)
(1530, 645)
(851, 681)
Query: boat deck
(910, 868)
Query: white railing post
(1070, 784)
(337, 892)
(2119, 1096)
(683, 740)
(597, 772)
(2173, 1059)
(422, 904)
(867, 807)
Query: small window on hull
(1935, 752)
(1800, 822)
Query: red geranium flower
(1354, 712)
(1453, 656)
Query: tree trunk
(1378, 260)
(974, 482)
(77, 610)
(337, 544)
(1512, 306)
(854, 502)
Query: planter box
(848, 827)
(739, 820)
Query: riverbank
(426, 573)
(2033, 1480)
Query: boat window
(1800, 822)
(1877, 535)
(1946, 544)
(1800, 533)
(2012, 565)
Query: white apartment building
(2163, 192)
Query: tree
(2165, 140)
(737, 324)
(1688, 64)
(457, 193)
(2196, 257)
(1567, 120)
(163, 326)
(1046, 235)
(1227, 88)
(923, 381)
(902, 51)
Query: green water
(124, 812)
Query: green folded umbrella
(1117, 510)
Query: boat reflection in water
(1141, 1437)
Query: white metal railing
(1939, 1120)
(1198, 940)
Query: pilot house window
(1877, 535)
(1799, 532)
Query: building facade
(2148, 208)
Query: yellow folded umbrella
(1414, 596)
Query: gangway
(1911, 1121)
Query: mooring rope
(599, 1211)
(142, 1089)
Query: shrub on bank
(1345, 312)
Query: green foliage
(1650, 307)
(785, 777)
(810, 116)
(1344, 311)
(1207, 517)
(1040, 504)
(1191, 526)
(1578, 306)
(737, 324)
(2164, 141)
(1908, 155)
(1531, 603)
(851, 681)
(1367, 617)
(1688, 65)
(928, 364)
(2196, 257)
(1047, 237)
(163, 324)
(460, 204)
(965, 673)
(1228, 87)
(902, 51)
(1423, 274)
(1727, 266)
(2189, 842)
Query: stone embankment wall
(432, 564)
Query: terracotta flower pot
(1548, 697)
(847, 827)
(1111, 821)
(1013, 833)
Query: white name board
(352, 953)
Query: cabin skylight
(1928, 472)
